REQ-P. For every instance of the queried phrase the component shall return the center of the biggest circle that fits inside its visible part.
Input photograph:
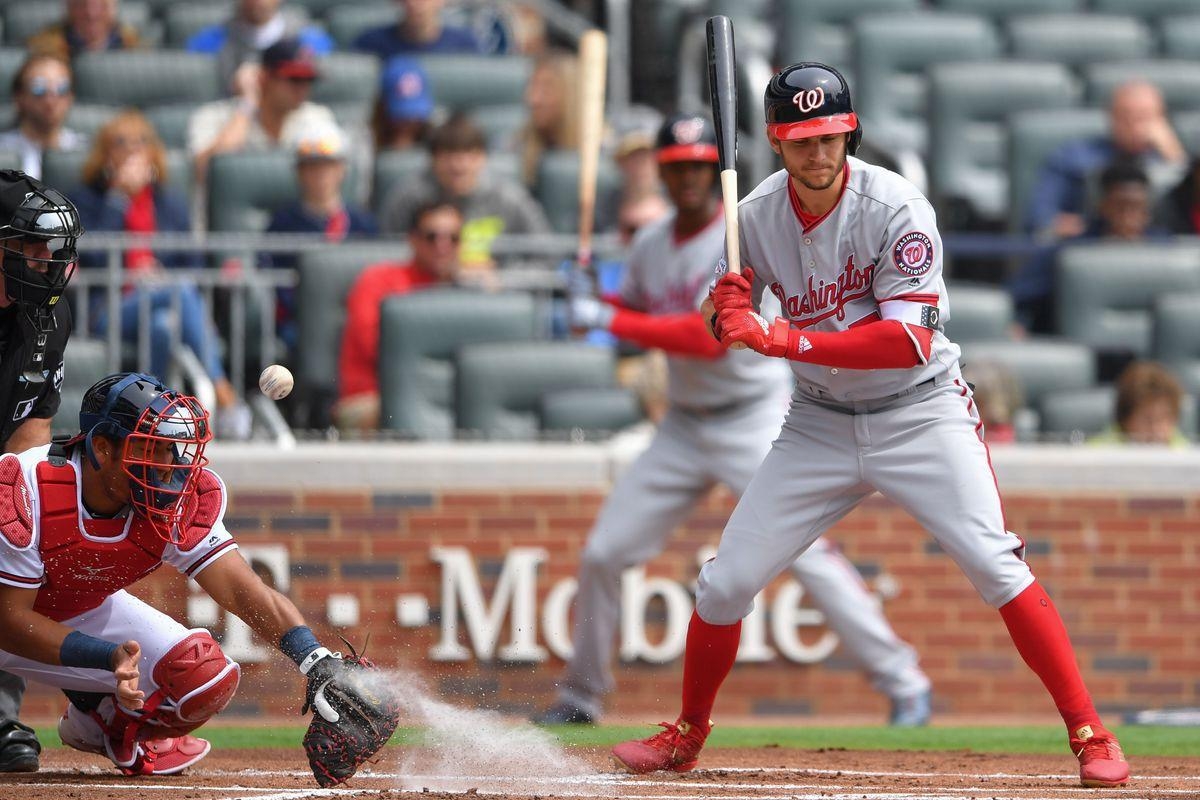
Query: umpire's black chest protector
(31, 366)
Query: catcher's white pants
(118, 619)
(688, 455)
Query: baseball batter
(852, 253)
(724, 409)
(82, 520)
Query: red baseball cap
(289, 58)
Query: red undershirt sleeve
(678, 334)
(883, 344)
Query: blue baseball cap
(405, 88)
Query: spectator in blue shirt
(1138, 129)
(404, 106)
(255, 26)
(321, 209)
(1123, 214)
(421, 30)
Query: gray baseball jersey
(876, 254)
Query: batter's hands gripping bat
(593, 64)
(722, 91)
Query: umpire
(39, 227)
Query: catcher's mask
(39, 228)
(161, 433)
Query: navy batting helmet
(162, 434)
(810, 99)
(686, 137)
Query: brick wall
(1123, 568)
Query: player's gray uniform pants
(921, 449)
(688, 455)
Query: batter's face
(689, 184)
(816, 162)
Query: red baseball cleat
(1101, 762)
(674, 749)
(167, 756)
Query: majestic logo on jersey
(823, 299)
(809, 99)
(688, 131)
(913, 253)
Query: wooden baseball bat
(593, 63)
(722, 92)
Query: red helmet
(162, 434)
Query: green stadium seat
(10, 159)
(144, 78)
(422, 334)
(65, 170)
(970, 103)
(500, 123)
(1001, 9)
(244, 189)
(818, 30)
(557, 187)
(171, 122)
(345, 22)
(978, 313)
(1177, 336)
(1177, 79)
(589, 412)
(1079, 38)
(1106, 292)
(325, 277)
(184, 20)
(892, 53)
(1041, 366)
(500, 385)
(397, 166)
(347, 78)
(88, 118)
(1080, 413)
(1187, 126)
(457, 85)
(11, 59)
(1144, 8)
(1181, 36)
(85, 361)
(1032, 137)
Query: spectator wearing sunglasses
(320, 209)
(273, 111)
(89, 26)
(434, 233)
(42, 95)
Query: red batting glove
(778, 339)
(733, 291)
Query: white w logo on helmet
(809, 99)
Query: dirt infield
(727, 774)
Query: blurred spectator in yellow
(89, 26)
(43, 96)
(321, 208)
(1124, 213)
(1180, 211)
(490, 207)
(552, 108)
(254, 27)
(420, 30)
(434, 233)
(125, 189)
(1138, 129)
(998, 396)
(273, 109)
(404, 106)
(1149, 400)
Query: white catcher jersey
(877, 254)
(669, 276)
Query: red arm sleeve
(677, 334)
(883, 344)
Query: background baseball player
(724, 409)
(86, 518)
(853, 255)
(39, 227)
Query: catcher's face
(816, 162)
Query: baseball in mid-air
(276, 382)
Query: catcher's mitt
(353, 716)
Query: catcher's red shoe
(1101, 762)
(82, 731)
(675, 748)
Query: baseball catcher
(353, 714)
